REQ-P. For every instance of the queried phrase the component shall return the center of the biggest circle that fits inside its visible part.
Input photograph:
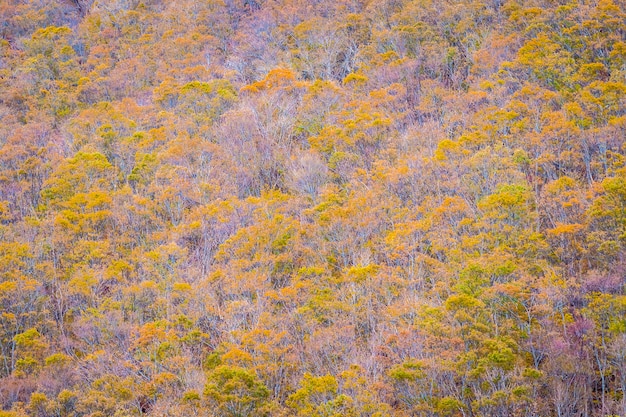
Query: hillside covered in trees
(326, 208)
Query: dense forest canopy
(247, 208)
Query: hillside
(246, 208)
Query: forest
(313, 208)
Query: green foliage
(236, 391)
(318, 396)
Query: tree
(236, 392)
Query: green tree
(236, 392)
